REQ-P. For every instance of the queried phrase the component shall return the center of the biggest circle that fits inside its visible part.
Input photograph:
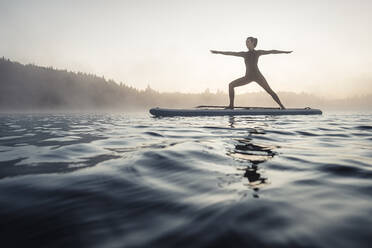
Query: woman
(252, 72)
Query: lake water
(132, 180)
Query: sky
(165, 44)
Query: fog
(32, 87)
(165, 44)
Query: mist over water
(34, 88)
(120, 180)
(89, 179)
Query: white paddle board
(220, 111)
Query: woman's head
(251, 42)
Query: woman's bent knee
(238, 82)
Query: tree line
(32, 87)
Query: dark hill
(35, 87)
(31, 87)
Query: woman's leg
(263, 83)
(236, 83)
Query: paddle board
(208, 111)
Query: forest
(32, 87)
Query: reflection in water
(174, 174)
(254, 154)
(232, 121)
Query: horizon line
(205, 91)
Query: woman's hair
(254, 40)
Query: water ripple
(114, 180)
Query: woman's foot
(229, 107)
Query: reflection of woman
(252, 72)
(253, 176)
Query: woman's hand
(214, 51)
(288, 51)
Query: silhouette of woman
(252, 72)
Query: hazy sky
(166, 43)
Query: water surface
(132, 180)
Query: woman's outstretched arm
(264, 52)
(239, 54)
